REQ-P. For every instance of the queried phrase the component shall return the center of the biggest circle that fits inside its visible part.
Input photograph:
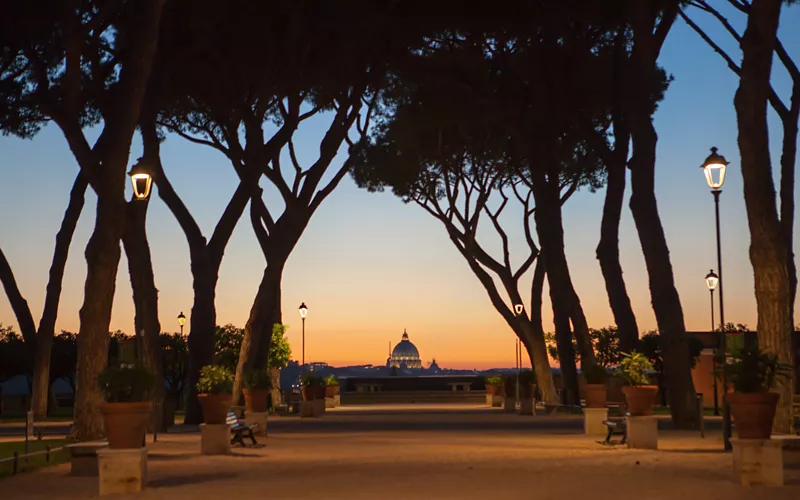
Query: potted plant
(596, 391)
(258, 385)
(527, 384)
(312, 383)
(753, 372)
(493, 384)
(639, 394)
(126, 412)
(214, 392)
(331, 386)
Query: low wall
(396, 397)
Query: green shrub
(494, 380)
(527, 377)
(215, 380)
(312, 380)
(332, 381)
(634, 368)
(595, 374)
(127, 384)
(753, 370)
(259, 379)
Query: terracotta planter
(321, 391)
(255, 400)
(126, 423)
(492, 390)
(309, 393)
(331, 391)
(753, 413)
(215, 407)
(640, 399)
(596, 395)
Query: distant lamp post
(518, 308)
(303, 312)
(714, 169)
(181, 321)
(141, 179)
(711, 281)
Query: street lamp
(714, 169)
(303, 312)
(518, 308)
(181, 321)
(711, 281)
(141, 179)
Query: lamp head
(714, 168)
(303, 310)
(518, 308)
(181, 319)
(712, 280)
(142, 180)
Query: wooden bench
(616, 427)
(83, 457)
(240, 430)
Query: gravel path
(437, 453)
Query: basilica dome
(405, 354)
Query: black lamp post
(518, 308)
(711, 281)
(303, 312)
(181, 321)
(714, 169)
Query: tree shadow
(174, 481)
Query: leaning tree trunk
(265, 312)
(768, 252)
(608, 247)
(145, 300)
(102, 261)
(788, 159)
(40, 396)
(534, 331)
(549, 227)
(566, 354)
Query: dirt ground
(417, 452)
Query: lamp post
(181, 321)
(142, 180)
(714, 169)
(518, 308)
(711, 281)
(303, 312)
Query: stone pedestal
(215, 439)
(509, 405)
(758, 462)
(307, 409)
(83, 457)
(330, 403)
(526, 407)
(319, 407)
(642, 433)
(593, 419)
(259, 418)
(337, 399)
(121, 471)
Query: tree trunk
(665, 299)
(102, 261)
(550, 229)
(265, 312)
(18, 303)
(47, 324)
(145, 299)
(608, 248)
(566, 353)
(788, 159)
(535, 332)
(768, 252)
(203, 321)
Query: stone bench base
(330, 402)
(593, 419)
(642, 433)
(122, 471)
(83, 460)
(758, 462)
(509, 405)
(215, 439)
(259, 418)
(308, 409)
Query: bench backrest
(231, 418)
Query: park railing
(47, 452)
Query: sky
(369, 266)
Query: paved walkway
(430, 453)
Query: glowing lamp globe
(714, 168)
(141, 179)
(518, 308)
(712, 280)
(303, 310)
(181, 319)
